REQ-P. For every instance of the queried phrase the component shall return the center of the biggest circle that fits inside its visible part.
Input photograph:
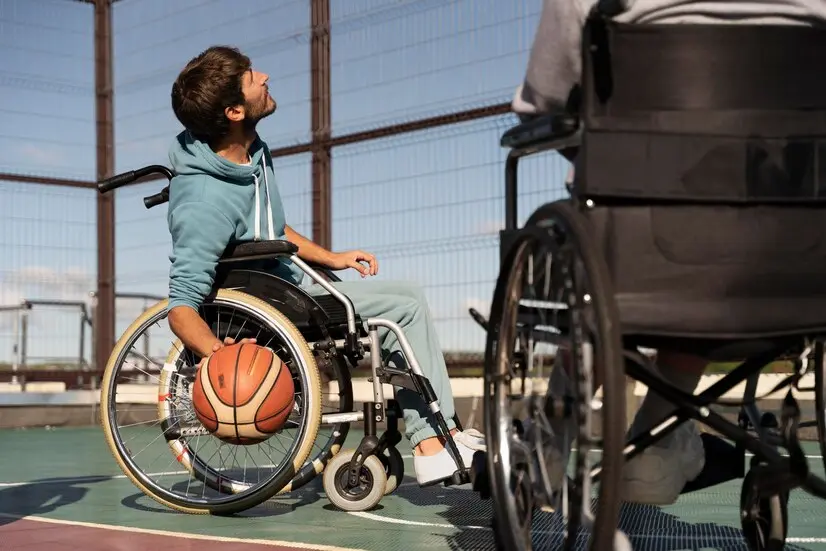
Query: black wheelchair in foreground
(696, 223)
(313, 335)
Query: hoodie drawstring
(270, 230)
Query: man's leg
(405, 305)
(657, 475)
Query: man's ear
(235, 113)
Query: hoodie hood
(190, 157)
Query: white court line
(316, 547)
(185, 535)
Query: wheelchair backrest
(703, 113)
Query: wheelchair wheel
(820, 398)
(140, 422)
(765, 521)
(370, 487)
(327, 444)
(554, 300)
(394, 469)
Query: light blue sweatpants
(405, 304)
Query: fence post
(104, 328)
(321, 121)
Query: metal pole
(24, 338)
(81, 364)
(104, 328)
(321, 123)
(16, 365)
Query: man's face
(258, 101)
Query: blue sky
(427, 204)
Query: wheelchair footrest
(724, 462)
(479, 475)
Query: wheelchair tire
(230, 503)
(608, 361)
(765, 522)
(394, 468)
(373, 480)
(339, 431)
(820, 398)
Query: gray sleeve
(554, 65)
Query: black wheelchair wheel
(764, 520)
(554, 290)
(331, 436)
(820, 398)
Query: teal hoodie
(214, 203)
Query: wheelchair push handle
(126, 178)
(158, 199)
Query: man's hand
(309, 251)
(227, 342)
(355, 259)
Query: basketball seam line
(261, 382)
(274, 385)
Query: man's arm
(554, 65)
(312, 252)
(200, 234)
(307, 250)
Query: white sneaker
(658, 475)
(432, 469)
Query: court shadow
(275, 506)
(43, 496)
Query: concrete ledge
(81, 407)
(362, 391)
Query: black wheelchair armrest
(254, 250)
(555, 131)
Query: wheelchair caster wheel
(394, 469)
(372, 482)
(764, 521)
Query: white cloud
(48, 155)
(42, 283)
(39, 282)
(491, 227)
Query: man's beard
(256, 113)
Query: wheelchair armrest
(254, 250)
(555, 131)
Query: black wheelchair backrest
(733, 113)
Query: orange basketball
(243, 394)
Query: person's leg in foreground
(657, 475)
(405, 304)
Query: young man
(657, 475)
(225, 192)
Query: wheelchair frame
(352, 339)
(771, 473)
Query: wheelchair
(696, 222)
(314, 336)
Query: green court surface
(60, 489)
